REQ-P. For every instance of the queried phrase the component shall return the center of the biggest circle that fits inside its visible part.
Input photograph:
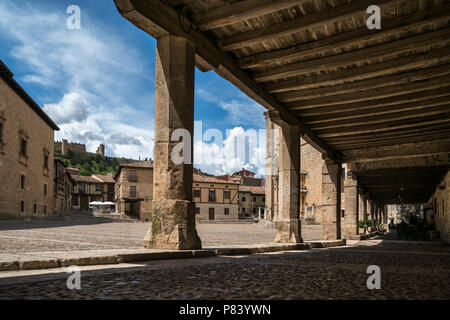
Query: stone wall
(440, 201)
(219, 210)
(20, 121)
(71, 146)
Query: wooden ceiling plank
(373, 120)
(373, 112)
(320, 18)
(390, 27)
(327, 133)
(416, 61)
(372, 94)
(406, 77)
(383, 51)
(241, 11)
(383, 102)
(401, 151)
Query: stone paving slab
(326, 273)
(57, 259)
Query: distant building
(252, 200)
(134, 190)
(91, 188)
(63, 147)
(214, 198)
(62, 196)
(26, 151)
(244, 173)
(101, 150)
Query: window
(35, 208)
(196, 193)
(133, 192)
(98, 187)
(45, 210)
(132, 177)
(74, 201)
(226, 194)
(197, 210)
(264, 199)
(254, 199)
(82, 188)
(243, 198)
(22, 181)
(23, 147)
(212, 195)
(342, 213)
(246, 174)
(243, 209)
(45, 161)
(226, 211)
(22, 206)
(45, 189)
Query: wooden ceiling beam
(381, 111)
(338, 42)
(405, 64)
(383, 102)
(387, 126)
(241, 11)
(372, 94)
(394, 140)
(405, 77)
(396, 135)
(320, 18)
(386, 51)
(401, 151)
(373, 120)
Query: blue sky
(97, 83)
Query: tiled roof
(200, 178)
(140, 164)
(252, 189)
(105, 178)
(88, 179)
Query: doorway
(211, 213)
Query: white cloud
(72, 108)
(96, 75)
(240, 149)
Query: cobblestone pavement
(408, 271)
(33, 236)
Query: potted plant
(362, 226)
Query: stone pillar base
(289, 231)
(173, 226)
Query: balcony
(132, 195)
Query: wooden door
(211, 213)
(84, 203)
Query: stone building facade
(134, 190)
(26, 151)
(252, 200)
(310, 178)
(63, 186)
(87, 189)
(215, 198)
(440, 208)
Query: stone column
(173, 218)
(288, 223)
(271, 166)
(350, 229)
(331, 201)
